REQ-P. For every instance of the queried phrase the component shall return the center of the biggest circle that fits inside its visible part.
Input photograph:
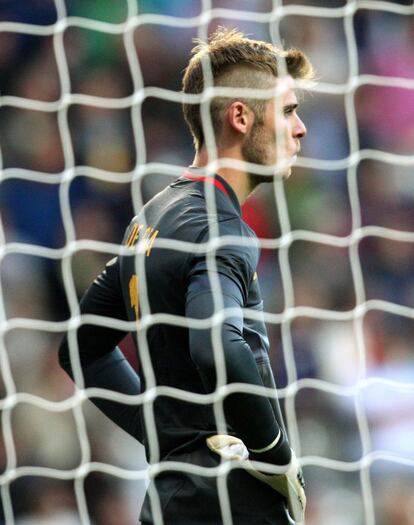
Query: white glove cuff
(269, 447)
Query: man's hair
(236, 61)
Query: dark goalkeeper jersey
(176, 280)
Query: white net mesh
(337, 244)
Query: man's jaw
(283, 173)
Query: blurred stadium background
(318, 200)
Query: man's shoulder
(180, 211)
(172, 214)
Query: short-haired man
(184, 283)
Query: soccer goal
(90, 129)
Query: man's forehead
(289, 98)
(285, 91)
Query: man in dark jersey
(187, 276)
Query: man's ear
(240, 117)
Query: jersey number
(134, 295)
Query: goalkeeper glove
(290, 483)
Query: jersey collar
(199, 174)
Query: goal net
(91, 128)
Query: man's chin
(283, 173)
(288, 171)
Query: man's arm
(103, 364)
(251, 416)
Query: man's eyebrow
(290, 107)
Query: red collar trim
(211, 180)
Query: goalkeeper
(260, 131)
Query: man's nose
(299, 130)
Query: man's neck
(238, 179)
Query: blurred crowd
(339, 351)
